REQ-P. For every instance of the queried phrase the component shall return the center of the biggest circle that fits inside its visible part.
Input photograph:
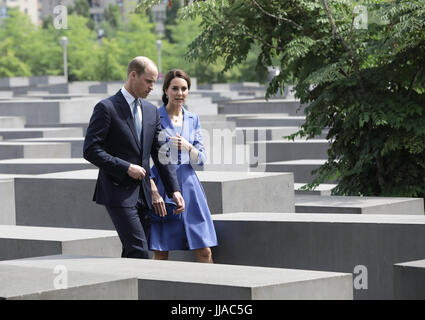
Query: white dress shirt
(130, 100)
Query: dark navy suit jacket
(111, 144)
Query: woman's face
(177, 91)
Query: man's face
(144, 84)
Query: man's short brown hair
(139, 64)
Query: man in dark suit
(122, 135)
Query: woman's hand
(181, 143)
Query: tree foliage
(363, 83)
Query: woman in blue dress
(193, 229)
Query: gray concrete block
(82, 125)
(254, 106)
(13, 82)
(7, 201)
(13, 150)
(18, 242)
(359, 205)
(266, 120)
(38, 197)
(12, 122)
(25, 133)
(328, 242)
(248, 191)
(249, 134)
(5, 95)
(186, 280)
(321, 190)
(60, 200)
(46, 80)
(109, 88)
(409, 280)
(57, 283)
(43, 165)
(201, 105)
(285, 150)
(76, 143)
(302, 169)
(48, 112)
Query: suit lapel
(125, 109)
(187, 124)
(166, 124)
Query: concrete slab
(14, 150)
(201, 105)
(39, 197)
(4, 95)
(266, 120)
(359, 205)
(13, 82)
(12, 122)
(186, 280)
(321, 190)
(57, 283)
(46, 80)
(409, 280)
(43, 165)
(365, 245)
(76, 143)
(285, 150)
(48, 112)
(291, 107)
(18, 242)
(25, 133)
(82, 125)
(7, 201)
(302, 169)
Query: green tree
(363, 83)
(183, 33)
(16, 46)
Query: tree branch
(276, 17)
(344, 44)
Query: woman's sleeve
(198, 143)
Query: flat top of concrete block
(192, 272)
(88, 174)
(412, 264)
(254, 101)
(347, 201)
(16, 281)
(52, 234)
(320, 187)
(265, 116)
(45, 161)
(38, 129)
(235, 175)
(274, 128)
(299, 162)
(11, 177)
(27, 143)
(313, 141)
(208, 176)
(320, 218)
(52, 139)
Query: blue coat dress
(192, 229)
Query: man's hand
(178, 199)
(136, 172)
